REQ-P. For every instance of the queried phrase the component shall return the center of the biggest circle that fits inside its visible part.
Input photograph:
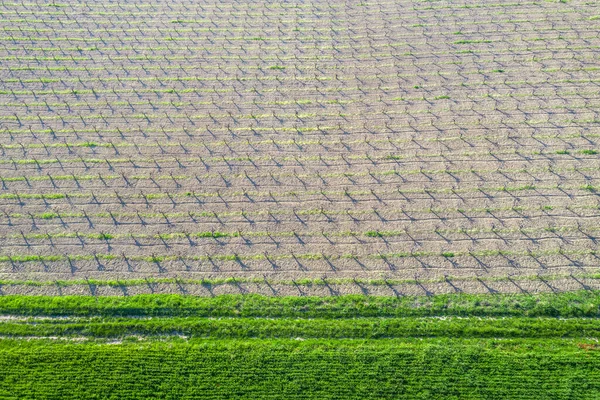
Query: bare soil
(325, 148)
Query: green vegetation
(465, 41)
(565, 305)
(301, 369)
(255, 347)
(333, 327)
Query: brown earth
(308, 148)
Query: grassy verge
(320, 328)
(567, 304)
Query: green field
(459, 346)
(292, 369)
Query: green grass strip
(328, 328)
(567, 304)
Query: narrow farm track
(306, 148)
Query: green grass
(465, 41)
(290, 328)
(566, 305)
(300, 369)
(459, 346)
(336, 356)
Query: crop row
(188, 132)
(240, 5)
(295, 194)
(315, 37)
(298, 144)
(297, 37)
(580, 24)
(433, 53)
(109, 66)
(520, 44)
(380, 130)
(300, 256)
(335, 24)
(283, 116)
(256, 92)
(221, 14)
(492, 93)
(299, 117)
(589, 231)
(461, 98)
(273, 179)
(279, 78)
(327, 213)
(202, 6)
(282, 163)
(320, 175)
(527, 51)
(324, 281)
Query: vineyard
(310, 148)
(301, 199)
